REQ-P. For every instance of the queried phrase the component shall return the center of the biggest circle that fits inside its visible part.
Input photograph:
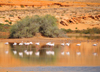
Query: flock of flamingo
(47, 52)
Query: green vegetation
(22, 6)
(10, 23)
(4, 27)
(29, 26)
(6, 21)
(87, 31)
(0, 6)
(11, 15)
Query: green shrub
(6, 21)
(22, 6)
(29, 26)
(67, 30)
(11, 15)
(10, 22)
(4, 27)
(0, 6)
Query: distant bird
(30, 52)
(21, 54)
(15, 43)
(37, 43)
(27, 43)
(31, 43)
(94, 54)
(67, 44)
(27, 52)
(52, 52)
(48, 52)
(78, 44)
(15, 52)
(48, 43)
(21, 43)
(6, 43)
(37, 53)
(78, 53)
(6, 52)
(95, 44)
(68, 53)
(62, 53)
(52, 44)
(62, 44)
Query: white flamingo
(30, 52)
(62, 44)
(78, 53)
(27, 43)
(52, 53)
(68, 53)
(6, 52)
(6, 43)
(48, 52)
(37, 53)
(78, 44)
(21, 54)
(37, 43)
(27, 53)
(95, 44)
(62, 53)
(48, 43)
(67, 44)
(15, 52)
(15, 43)
(94, 54)
(52, 44)
(31, 42)
(21, 43)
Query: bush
(67, 30)
(6, 21)
(22, 6)
(4, 27)
(29, 26)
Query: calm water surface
(32, 55)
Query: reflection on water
(76, 54)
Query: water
(84, 55)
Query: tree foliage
(29, 26)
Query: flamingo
(48, 43)
(78, 44)
(21, 54)
(68, 53)
(67, 44)
(27, 53)
(30, 52)
(78, 53)
(62, 53)
(62, 44)
(52, 52)
(95, 44)
(6, 43)
(94, 54)
(37, 53)
(21, 43)
(48, 52)
(52, 44)
(15, 43)
(15, 52)
(31, 43)
(6, 52)
(37, 43)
